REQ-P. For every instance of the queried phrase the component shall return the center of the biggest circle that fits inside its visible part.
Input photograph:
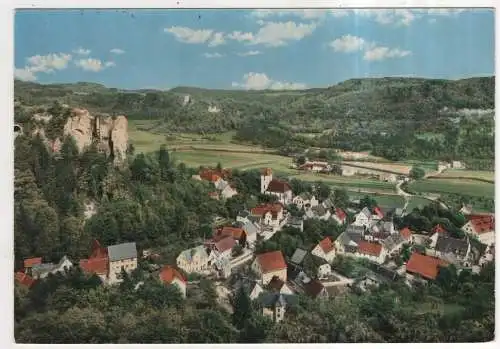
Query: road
(342, 280)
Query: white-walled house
(270, 264)
(275, 187)
(339, 216)
(363, 218)
(122, 256)
(41, 271)
(324, 271)
(194, 260)
(171, 276)
(325, 249)
(372, 251)
(482, 227)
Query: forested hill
(397, 102)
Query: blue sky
(248, 49)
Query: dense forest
(152, 200)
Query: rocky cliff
(109, 133)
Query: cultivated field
(396, 168)
(454, 186)
(480, 175)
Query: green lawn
(484, 175)
(417, 202)
(453, 186)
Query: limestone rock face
(119, 137)
(80, 126)
(111, 134)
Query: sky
(250, 49)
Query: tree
(341, 198)
(301, 160)
(242, 309)
(417, 173)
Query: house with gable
(482, 227)
(275, 305)
(121, 257)
(195, 260)
(250, 230)
(407, 235)
(270, 264)
(347, 242)
(171, 276)
(298, 257)
(452, 250)
(372, 251)
(224, 247)
(339, 216)
(269, 214)
(393, 244)
(305, 200)
(97, 263)
(251, 287)
(363, 218)
(426, 267)
(275, 187)
(29, 263)
(41, 271)
(325, 249)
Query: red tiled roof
(425, 266)
(97, 266)
(482, 223)
(327, 245)
(225, 244)
(378, 212)
(405, 233)
(24, 279)
(271, 261)
(370, 248)
(168, 274)
(340, 214)
(261, 210)
(277, 186)
(98, 251)
(30, 262)
(236, 233)
(267, 171)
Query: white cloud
(372, 51)
(82, 51)
(93, 64)
(249, 53)
(275, 33)
(379, 53)
(386, 17)
(217, 39)
(213, 55)
(24, 74)
(348, 43)
(117, 51)
(260, 81)
(48, 63)
(190, 36)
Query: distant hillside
(379, 104)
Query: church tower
(266, 177)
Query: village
(229, 256)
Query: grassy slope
(454, 186)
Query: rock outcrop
(110, 133)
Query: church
(271, 186)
